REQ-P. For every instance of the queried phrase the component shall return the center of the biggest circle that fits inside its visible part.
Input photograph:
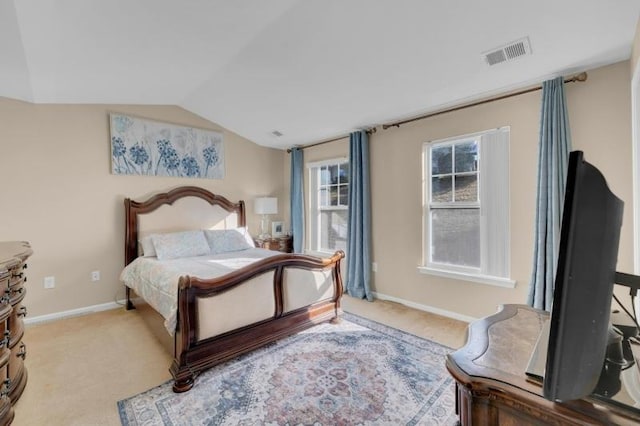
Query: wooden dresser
(491, 385)
(13, 257)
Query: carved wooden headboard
(183, 208)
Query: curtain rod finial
(579, 77)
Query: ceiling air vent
(508, 52)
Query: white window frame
(314, 205)
(493, 270)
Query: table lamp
(265, 206)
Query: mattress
(156, 281)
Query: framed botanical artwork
(277, 229)
(146, 147)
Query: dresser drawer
(15, 327)
(6, 410)
(16, 372)
(16, 293)
(15, 323)
(4, 280)
(17, 275)
(5, 313)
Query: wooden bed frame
(192, 355)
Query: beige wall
(600, 123)
(64, 200)
(635, 49)
(59, 193)
(600, 116)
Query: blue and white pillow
(228, 240)
(180, 244)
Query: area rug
(357, 372)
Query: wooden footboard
(195, 352)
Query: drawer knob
(4, 343)
(23, 351)
(22, 312)
(6, 385)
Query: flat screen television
(586, 269)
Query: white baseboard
(75, 312)
(120, 303)
(425, 308)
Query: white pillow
(148, 250)
(228, 240)
(180, 244)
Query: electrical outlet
(49, 282)
(95, 276)
(374, 267)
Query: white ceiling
(311, 69)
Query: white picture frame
(277, 229)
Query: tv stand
(491, 385)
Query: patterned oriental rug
(355, 372)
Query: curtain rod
(370, 131)
(579, 78)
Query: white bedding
(157, 281)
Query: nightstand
(283, 244)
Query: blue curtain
(297, 199)
(359, 224)
(553, 157)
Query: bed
(257, 301)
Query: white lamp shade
(266, 205)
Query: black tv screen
(588, 252)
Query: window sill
(476, 278)
(323, 254)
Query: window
(329, 205)
(466, 207)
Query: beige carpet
(80, 367)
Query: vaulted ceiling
(309, 69)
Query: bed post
(129, 304)
(337, 279)
(130, 242)
(183, 374)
